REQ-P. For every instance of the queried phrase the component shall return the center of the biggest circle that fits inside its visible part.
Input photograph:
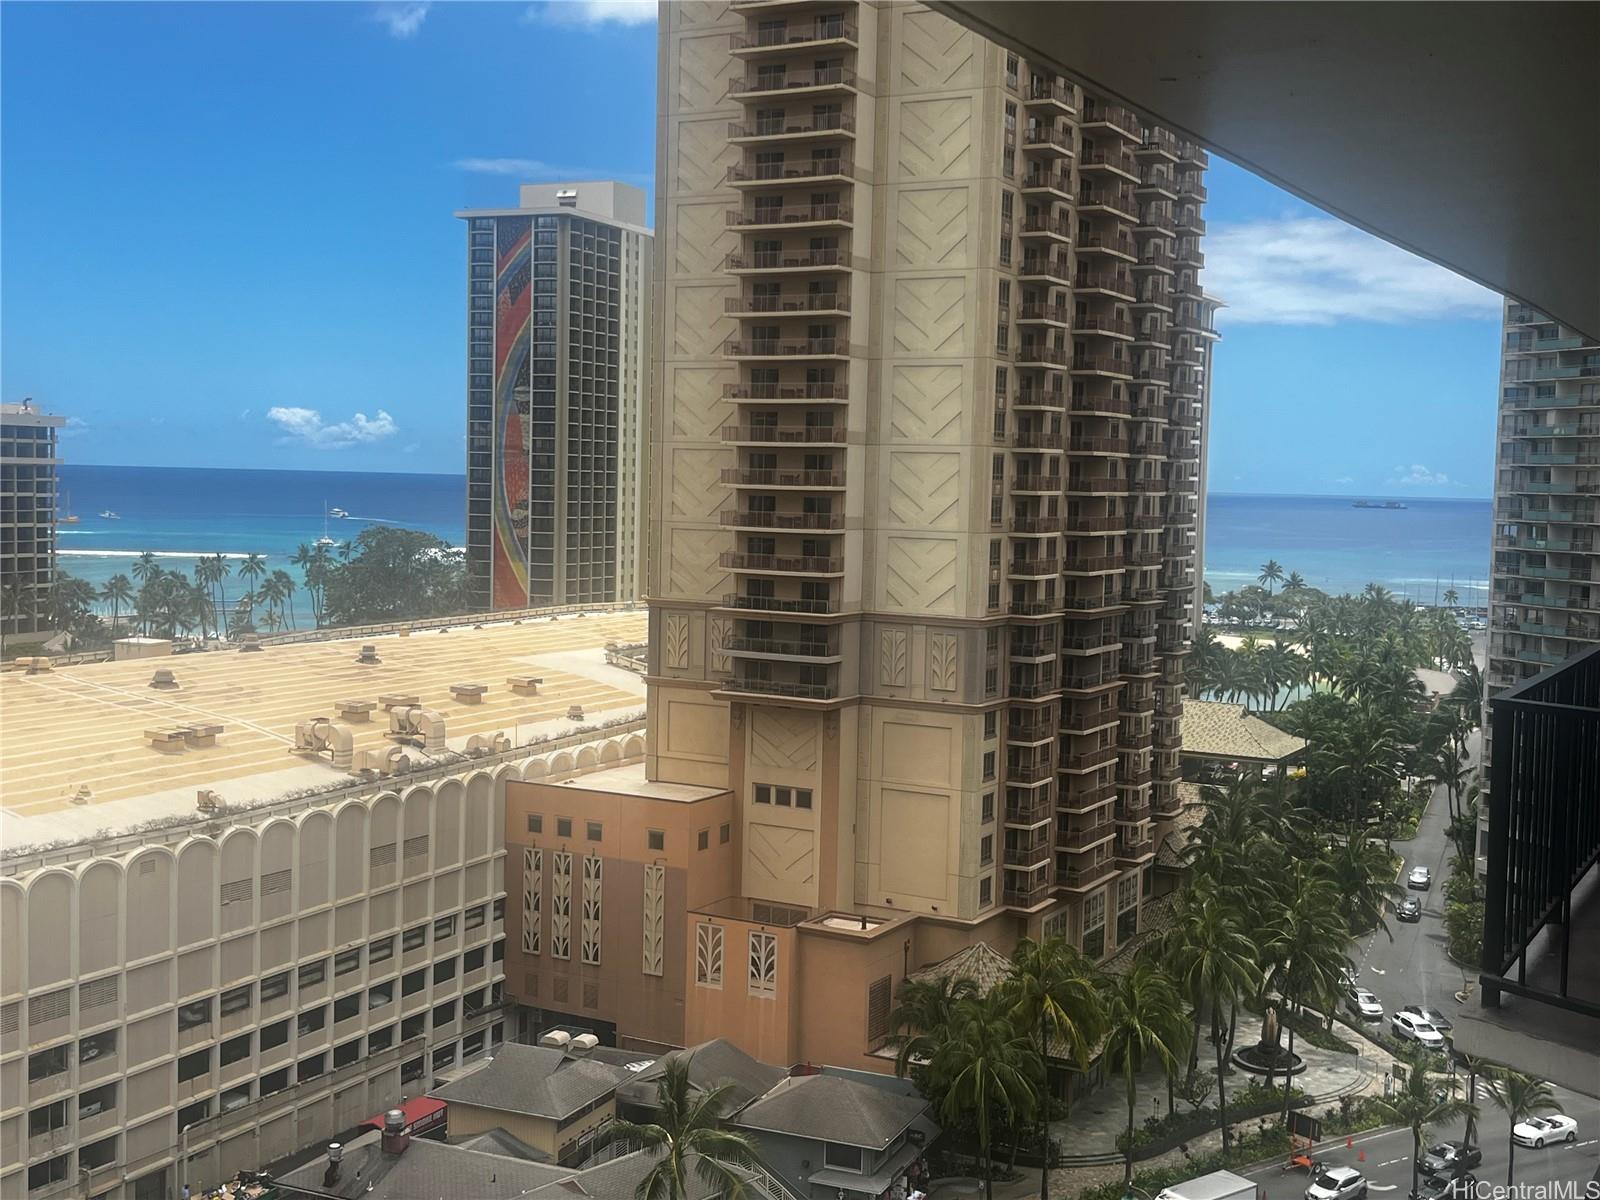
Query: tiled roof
(1157, 917)
(831, 1108)
(1176, 841)
(711, 1064)
(980, 962)
(426, 1168)
(1212, 729)
(539, 1081)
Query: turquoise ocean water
(181, 513)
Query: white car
(1420, 879)
(1337, 1183)
(1364, 1004)
(1415, 1029)
(1538, 1131)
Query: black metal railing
(1544, 829)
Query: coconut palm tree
(1451, 597)
(984, 1068)
(220, 570)
(118, 590)
(285, 589)
(1308, 947)
(1362, 875)
(924, 1016)
(1271, 573)
(1519, 1096)
(1053, 995)
(1418, 1104)
(1145, 1021)
(145, 568)
(1474, 1066)
(252, 568)
(686, 1136)
(1295, 583)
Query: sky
(230, 243)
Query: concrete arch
(447, 823)
(237, 879)
(315, 858)
(350, 842)
(633, 746)
(417, 821)
(277, 856)
(588, 758)
(560, 764)
(147, 892)
(611, 752)
(535, 768)
(100, 917)
(198, 891)
(13, 922)
(49, 915)
(477, 833)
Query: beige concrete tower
(930, 354)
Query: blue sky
(214, 211)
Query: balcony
(782, 647)
(1190, 152)
(1087, 878)
(1159, 141)
(1034, 608)
(778, 392)
(809, 128)
(780, 604)
(830, 303)
(818, 35)
(1034, 771)
(1114, 115)
(1101, 405)
(1091, 564)
(1029, 894)
(1540, 980)
(766, 174)
(781, 564)
(1032, 481)
(1058, 182)
(1036, 810)
(1089, 760)
(1149, 219)
(766, 435)
(1033, 312)
(785, 520)
(1037, 354)
(824, 347)
(1100, 160)
(1033, 687)
(783, 687)
(790, 216)
(1046, 227)
(1096, 364)
(1116, 327)
(1047, 268)
(1076, 840)
(1117, 202)
(1047, 140)
(1030, 725)
(1037, 439)
(1047, 524)
(787, 260)
(1116, 283)
(1058, 94)
(1042, 398)
(1034, 568)
(1105, 486)
(1088, 681)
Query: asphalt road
(1387, 1164)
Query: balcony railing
(1544, 832)
(1050, 93)
(798, 649)
(829, 392)
(779, 126)
(787, 80)
(811, 214)
(793, 564)
(1118, 162)
(814, 168)
(776, 520)
(822, 347)
(806, 435)
(775, 477)
(1028, 856)
(784, 687)
(775, 260)
(784, 604)
(1115, 201)
(1112, 114)
(1037, 809)
(802, 35)
(1055, 181)
(1112, 325)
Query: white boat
(325, 540)
(110, 516)
(338, 513)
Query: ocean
(183, 513)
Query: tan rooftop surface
(85, 725)
(1217, 730)
(629, 780)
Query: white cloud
(1417, 475)
(1345, 479)
(305, 425)
(74, 425)
(1318, 270)
(402, 18)
(535, 170)
(593, 14)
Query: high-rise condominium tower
(28, 465)
(557, 310)
(1545, 586)
(926, 425)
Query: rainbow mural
(513, 293)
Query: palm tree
(1519, 1096)
(118, 590)
(285, 589)
(1308, 947)
(1144, 1020)
(1417, 1103)
(1474, 1066)
(923, 1018)
(1295, 583)
(985, 1066)
(1052, 994)
(252, 568)
(688, 1134)
(1214, 964)
(1271, 573)
(220, 570)
(1451, 597)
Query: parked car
(1337, 1183)
(1364, 1004)
(1538, 1131)
(1415, 1029)
(1420, 879)
(1409, 911)
(1450, 1159)
(1431, 1015)
(1459, 1187)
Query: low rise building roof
(536, 1081)
(1212, 729)
(423, 1168)
(831, 1108)
(980, 963)
(711, 1064)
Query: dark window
(274, 1035)
(702, 840)
(656, 839)
(195, 1013)
(878, 1001)
(564, 827)
(763, 794)
(500, 950)
(725, 833)
(985, 891)
(346, 961)
(310, 1067)
(96, 1101)
(444, 927)
(274, 986)
(476, 917)
(802, 797)
(593, 831)
(380, 1039)
(535, 823)
(311, 1020)
(192, 1066)
(500, 909)
(444, 1056)
(411, 1070)
(47, 1117)
(413, 1027)
(347, 1053)
(237, 1048)
(52, 1170)
(473, 959)
(444, 1013)
(274, 1081)
(193, 1114)
(314, 973)
(235, 1000)
(96, 1045)
(380, 950)
(443, 971)
(414, 937)
(413, 982)
(845, 1157)
(346, 1007)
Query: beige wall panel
(700, 165)
(935, 139)
(693, 570)
(924, 490)
(699, 322)
(696, 491)
(785, 738)
(919, 575)
(926, 402)
(696, 408)
(49, 940)
(780, 861)
(915, 864)
(701, 72)
(918, 753)
(11, 939)
(933, 228)
(99, 894)
(689, 14)
(930, 316)
(935, 52)
(150, 985)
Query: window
(380, 950)
(47, 1118)
(346, 1007)
(986, 891)
(563, 827)
(314, 973)
(236, 1000)
(444, 927)
(274, 986)
(444, 1056)
(346, 1053)
(192, 1066)
(763, 793)
(43, 1174)
(411, 1070)
(656, 839)
(802, 797)
(988, 764)
(195, 1013)
(499, 950)
(235, 1097)
(311, 1020)
(477, 917)
(991, 725)
(310, 1067)
(986, 850)
(380, 1039)
(986, 811)
(413, 982)
(1094, 925)
(473, 959)
(380, 994)
(193, 1114)
(535, 822)
(725, 834)
(444, 971)
(346, 961)
(702, 840)
(274, 1035)
(235, 1049)
(414, 937)
(96, 1101)
(593, 831)
(413, 1027)
(844, 1158)
(444, 1013)
(500, 909)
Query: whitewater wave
(154, 553)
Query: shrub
(1247, 1148)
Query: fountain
(1268, 1057)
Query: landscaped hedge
(1160, 1134)
(1250, 1148)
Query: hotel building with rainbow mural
(557, 373)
